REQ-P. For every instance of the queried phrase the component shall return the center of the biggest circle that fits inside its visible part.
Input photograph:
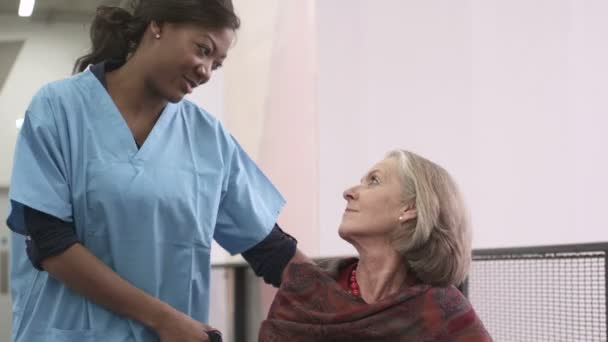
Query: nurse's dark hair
(115, 31)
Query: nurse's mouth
(190, 85)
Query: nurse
(119, 186)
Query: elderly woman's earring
(157, 36)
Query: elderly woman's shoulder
(333, 265)
(448, 307)
(448, 299)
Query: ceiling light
(26, 7)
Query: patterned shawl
(311, 306)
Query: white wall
(48, 54)
(507, 95)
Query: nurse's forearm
(84, 273)
(298, 258)
(301, 258)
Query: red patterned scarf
(311, 306)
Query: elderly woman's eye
(374, 180)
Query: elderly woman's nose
(350, 193)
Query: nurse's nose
(203, 72)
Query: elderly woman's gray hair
(437, 244)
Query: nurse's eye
(373, 180)
(204, 50)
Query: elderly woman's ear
(408, 212)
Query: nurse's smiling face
(184, 56)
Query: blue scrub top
(150, 214)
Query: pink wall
(289, 143)
(271, 108)
(270, 105)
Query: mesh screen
(546, 297)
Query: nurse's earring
(155, 29)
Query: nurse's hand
(179, 327)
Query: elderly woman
(408, 223)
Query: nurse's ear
(156, 28)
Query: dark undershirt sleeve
(47, 236)
(270, 256)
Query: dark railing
(541, 293)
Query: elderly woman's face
(374, 206)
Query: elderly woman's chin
(348, 230)
(345, 230)
(352, 230)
